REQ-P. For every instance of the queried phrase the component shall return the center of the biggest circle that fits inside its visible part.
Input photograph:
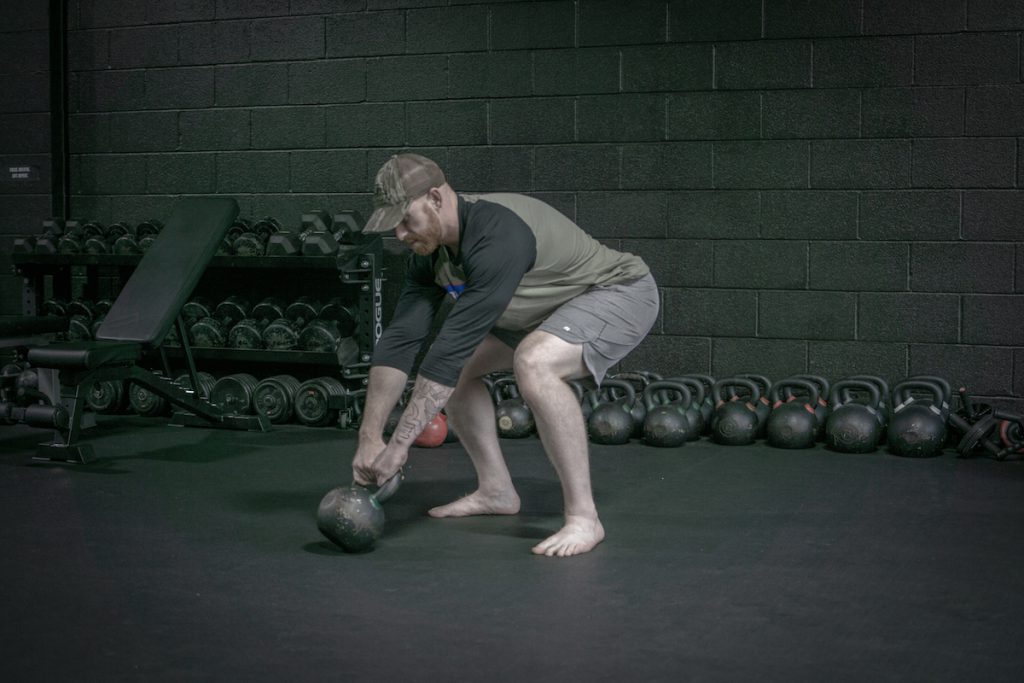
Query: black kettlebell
(883, 401)
(734, 422)
(853, 427)
(821, 407)
(793, 423)
(764, 405)
(668, 424)
(695, 412)
(639, 380)
(514, 417)
(918, 427)
(611, 420)
(351, 516)
(707, 406)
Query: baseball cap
(402, 179)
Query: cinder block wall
(24, 132)
(819, 186)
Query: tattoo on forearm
(426, 402)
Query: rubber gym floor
(191, 554)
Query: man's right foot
(478, 503)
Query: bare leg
(471, 413)
(542, 364)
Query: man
(534, 294)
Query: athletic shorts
(608, 320)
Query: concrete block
(608, 22)
(155, 131)
(492, 74)
(918, 16)
(446, 29)
(446, 123)
(761, 264)
(995, 110)
(807, 315)
(365, 34)
(675, 263)
(710, 312)
(836, 360)
(667, 165)
(774, 358)
(622, 214)
(802, 19)
(423, 77)
(253, 172)
(327, 81)
(698, 20)
(910, 215)
(632, 118)
(670, 355)
(193, 173)
(994, 15)
(809, 214)
(908, 317)
(576, 72)
(983, 370)
(533, 26)
(812, 114)
(965, 163)
(962, 268)
(913, 112)
(366, 125)
(966, 59)
(218, 42)
(667, 67)
(863, 62)
(111, 174)
(994, 320)
(763, 65)
(251, 85)
(576, 167)
(134, 48)
(216, 129)
(287, 127)
(490, 169)
(333, 171)
(755, 165)
(714, 215)
(179, 88)
(714, 116)
(859, 266)
(532, 120)
(860, 164)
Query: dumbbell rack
(359, 267)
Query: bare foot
(579, 535)
(478, 503)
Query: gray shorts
(609, 321)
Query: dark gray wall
(829, 186)
(24, 132)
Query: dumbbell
(248, 332)
(106, 396)
(26, 244)
(145, 402)
(75, 235)
(146, 232)
(55, 307)
(334, 321)
(321, 240)
(289, 242)
(348, 226)
(345, 315)
(104, 242)
(46, 242)
(83, 313)
(282, 334)
(253, 242)
(275, 397)
(213, 330)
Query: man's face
(420, 230)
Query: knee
(531, 364)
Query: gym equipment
(764, 405)
(233, 393)
(707, 407)
(352, 518)
(918, 426)
(821, 408)
(146, 232)
(882, 411)
(214, 330)
(281, 335)
(275, 397)
(104, 242)
(986, 431)
(322, 336)
(318, 400)
(106, 396)
(344, 316)
(205, 380)
(668, 424)
(514, 418)
(853, 427)
(146, 402)
(638, 409)
(695, 413)
(76, 234)
(43, 243)
(138, 322)
(793, 423)
(433, 435)
(734, 422)
(253, 241)
(611, 420)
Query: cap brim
(386, 218)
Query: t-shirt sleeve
(412, 319)
(497, 251)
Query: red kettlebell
(434, 433)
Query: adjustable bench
(140, 318)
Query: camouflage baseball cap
(404, 178)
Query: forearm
(428, 397)
(385, 388)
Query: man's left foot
(579, 535)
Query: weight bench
(140, 318)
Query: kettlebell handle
(388, 488)
(732, 382)
(667, 385)
(901, 392)
(841, 395)
(813, 394)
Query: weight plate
(280, 335)
(247, 334)
(320, 336)
(233, 393)
(106, 396)
(145, 402)
(209, 332)
(274, 397)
